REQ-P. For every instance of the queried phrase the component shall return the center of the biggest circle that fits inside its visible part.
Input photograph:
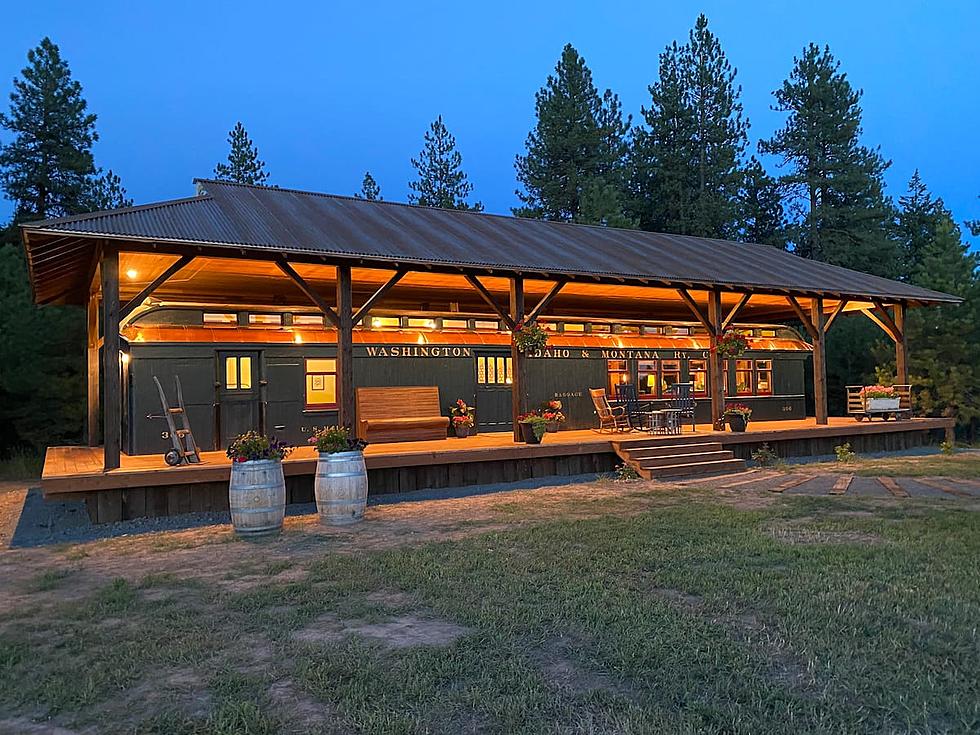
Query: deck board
(79, 469)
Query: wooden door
(238, 395)
(494, 378)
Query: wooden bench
(400, 413)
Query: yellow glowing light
(125, 358)
(375, 322)
(131, 274)
(298, 338)
(421, 339)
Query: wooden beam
(901, 347)
(518, 386)
(801, 315)
(876, 318)
(312, 295)
(378, 295)
(139, 298)
(546, 301)
(92, 369)
(819, 362)
(734, 312)
(716, 373)
(886, 321)
(838, 310)
(488, 298)
(696, 310)
(345, 351)
(111, 382)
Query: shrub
(626, 473)
(844, 453)
(765, 456)
(334, 439)
(252, 446)
(947, 447)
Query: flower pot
(340, 488)
(257, 497)
(551, 427)
(461, 431)
(737, 423)
(883, 404)
(527, 433)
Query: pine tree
(760, 204)
(107, 192)
(917, 216)
(46, 169)
(688, 157)
(441, 180)
(601, 204)
(578, 145)
(369, 189)
(944, 341)
(841, 214)
(243, 164)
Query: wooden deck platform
(69, 470)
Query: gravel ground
(27, 521)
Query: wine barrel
(341, 488)
(257, 497)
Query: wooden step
(659, 440)
(670, 460)
(639, 453)
(696, 468)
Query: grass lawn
(964, 464)
(687, 614)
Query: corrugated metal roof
(304, 222)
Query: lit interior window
(494, 370)
(309, 320)
(601, 328)
(487, 326)
(238, 373)
(321, 383)
(743, 377)
(767, 332)
(698, 371)
(763, 377)
(627, 329)
(647, 371)
(670, 374)
(231, 373)
(653, 330)
(573, 327)
(617, 372)
(214, 317)
(549, 326)
(417, 323)
(265, 320)
(455, 324)
(385, 322)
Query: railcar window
(617, 372)
(213, 317)
(743, 377)
(238, 373)
(454, 324)
(698, 372)
(417, 323)
(265, 320)
(646, 371)
(763, 377)
(310, 320)
(494, 370)
(485, 326)
(381, 322)
(321, 383)
(601, 328)
(670, 374)
(573, 327)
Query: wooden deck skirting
(69, 470)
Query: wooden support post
(111, 382)
(819, 361)
(716, 372)
(901, 347)
(92, 369)
(519, 384)
(345, 350)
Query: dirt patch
(24, 726)
(555, 660)
(404, 631)
(300, 713)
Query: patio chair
(626, 397)
(682, 401)
(610, 418)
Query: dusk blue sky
(328, 90)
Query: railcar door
(494, 377)
(238, 394)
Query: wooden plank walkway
(79, 469)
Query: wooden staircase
(663, 457)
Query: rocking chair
(610, 418)
(682, 401)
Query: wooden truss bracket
(488, 298)
(377, 296)
(696, 310)
(139, 298)
(309, 292)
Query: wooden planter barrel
(257, 497)
(341, 488)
